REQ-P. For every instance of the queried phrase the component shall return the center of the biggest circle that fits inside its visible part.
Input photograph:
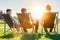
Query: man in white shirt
(15, 21)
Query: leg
(24, 29)
(17, 27)
(36, 26)
(51, 28)
(45, 29)
(42, 30)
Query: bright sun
(37, 13)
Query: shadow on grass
(53, 36)
(31, 36)
(8, 36)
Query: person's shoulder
(49, 12)
(19, 13)
(27, 13)
(46, 13)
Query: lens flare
(37, 13)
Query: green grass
(36, 36)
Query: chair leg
(4, 28)
(54, 29)
(32, 30)
(42, 30)
(22, 30)
(57, 29)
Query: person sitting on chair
(15, 21)
(27, 18)
(47, 19)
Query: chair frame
(55, 25)
(5, 22)
(22, 27)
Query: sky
(33, 6)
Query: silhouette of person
(15, 21)
(27, 20)
(47, 20)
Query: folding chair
(50, 20)
(25, 21)
(8, 20)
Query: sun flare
(37, 13)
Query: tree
(1, 14)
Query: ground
(35, 36)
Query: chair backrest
(8, 20)
(24, 20)
(49, 18)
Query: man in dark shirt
(48, 18)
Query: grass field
(37, 36)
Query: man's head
(48, 8)
(23, 10)
(8, 11)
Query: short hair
(23, 9)
(48, 7)
(8, 10)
